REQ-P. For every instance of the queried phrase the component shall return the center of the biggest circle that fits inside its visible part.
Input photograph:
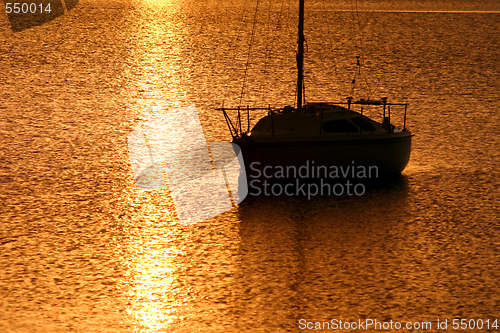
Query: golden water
(82, 249)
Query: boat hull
(388, 155)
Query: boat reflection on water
(329, 255)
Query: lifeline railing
(383, 102)
(236, 131)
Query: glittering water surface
(82, 249)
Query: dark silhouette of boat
(327, 134)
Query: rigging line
(266, 49)
(360, 60)
(335, 72)
(358, 34)
(304, 90)
(288, 18)
(306, 50)
(292, 36)
(267, 52)
(355, 42)
(249, 51)
(295, 97)
(376, 88)
(362, 46)
(240, 31)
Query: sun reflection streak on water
(154, 245)
(151, 255)
(153, 305)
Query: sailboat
(329, 134)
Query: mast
(300, 56)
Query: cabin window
(339, 126)
(364, 124)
